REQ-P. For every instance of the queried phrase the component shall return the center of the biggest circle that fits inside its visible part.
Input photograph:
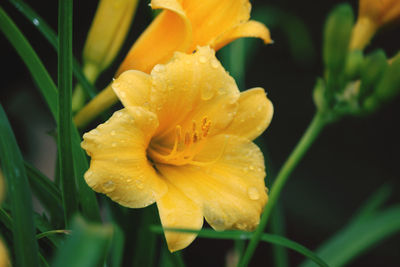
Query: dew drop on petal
(207, 93)
(108, 186)
(253, 193)
(113, 132)
(159, 68)
(214, 63)
(139, 184)
(202, 59)
(114, 144)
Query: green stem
(312, 132)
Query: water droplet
(114, 144)
(113, 132)
(253, 193)
(35, 22)
(202, 59)
(221, 90)
(259, 109)
(108, 186)
(251, 167)
(159, 68)
(128, 180)
(139, 184)
(214, 63)
(207, 92)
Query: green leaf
(23, 227)
(239, 235)
(31, 60)
(280, 253)
(68, 187)
(48, 89)
(46, 191)
(86, 247)
(116, 248)
(146, 240)
(53, 232)
(371, 206)
(52, 38)
(356, 238)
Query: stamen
(184, 149)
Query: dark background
(350, 160)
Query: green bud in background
(372, 70)
(337, 33)
(353, 65)
(387, 88)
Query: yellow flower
(106, 35)
(182, 26)
(373, 14)
(185, 24)
(184, 140)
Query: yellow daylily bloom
(105, 38)
(182, 26)
(372, 15)
(184, 141)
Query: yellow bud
(107, 33)
(372, 15)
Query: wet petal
(178, 211)
(119, 167)
(170, 31)
(250, 28)
(230, 191)
(191, 87)
(211, 18)
(253, 116)
(133, 88)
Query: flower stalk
(314, 129)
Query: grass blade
(23, 227)
(86, 246)
(47, 192)
(146, 240)
(31, 60)
(239, 235)
(68, 187)
(48, 89)
(52, 38)
(357, 238)
(280, 253)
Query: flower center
(187, 145)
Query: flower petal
(178, 211)
(191, 87)
(119, 167)
(247, 29)
(170, 31)
(231, 191)
(253, 116)
(133, 88)
(211, 18)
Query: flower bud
(372, 15)
(106, 35)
